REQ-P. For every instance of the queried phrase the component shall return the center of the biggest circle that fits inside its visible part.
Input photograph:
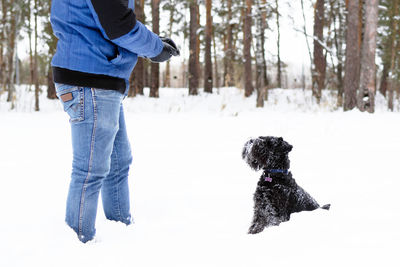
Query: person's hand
(170, 49)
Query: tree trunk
(155, 67)
(278, 44)
(352, 67)
(167, 81)
(12, 34)
(31, 70)
(208, 76)
(229, 53)
(384, 80)
(264, 26)
(248, 86)
(260, 79)
(2, 41)
(51, 88)
(198, 67)
(147, 77)
(193, 74)
(393, 55)
(338, 34)
(216, 75)
(318, 77)
(132, 83)
(52, 46)
(366, 94)
(36, 72)
(137, 79)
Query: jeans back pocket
(73, 103)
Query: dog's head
(266, 152)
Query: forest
(322, 74)
(352, 50)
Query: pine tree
(388, 47)
(36, 58)
(278, 46)
(193, 48)
(51, 42)
(155, 67)
(137, 77)
(208, 76)
(366, 93)
(248, 85)
(352, 66)
(319, 66)
(260, 57)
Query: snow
(192, 193)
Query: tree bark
(12, 34)
(193, 74)
(278, 44)
(31, 70)
(248, 85)
(366, 94)
(155, 67)
(229, 53)
(264, 26)
(216, 75)
(198, 67)
(52, 46)
(2, 46)
(208, 76)
(260, 79)
(36, 65)
(137, 78)
(393, 55)
(384, 80)
(51, 88)
(167, 81)
(319, 68)
(352, 67)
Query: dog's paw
(255, 229)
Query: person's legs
(115, 190)
(94, 121)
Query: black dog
(277, 194)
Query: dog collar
(270, 171)
(277, 171)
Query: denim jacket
(99, 42)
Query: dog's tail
(326, 207)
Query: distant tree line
(229, 48)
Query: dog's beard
(247, 155)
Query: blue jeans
(101, 157)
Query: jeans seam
(90, 164)
(81, 117)
(116, 178)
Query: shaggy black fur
(277, 194)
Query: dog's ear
(270, 142)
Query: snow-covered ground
(192, 194)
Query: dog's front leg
(264, 216)
(257, 225)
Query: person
(99, 42)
